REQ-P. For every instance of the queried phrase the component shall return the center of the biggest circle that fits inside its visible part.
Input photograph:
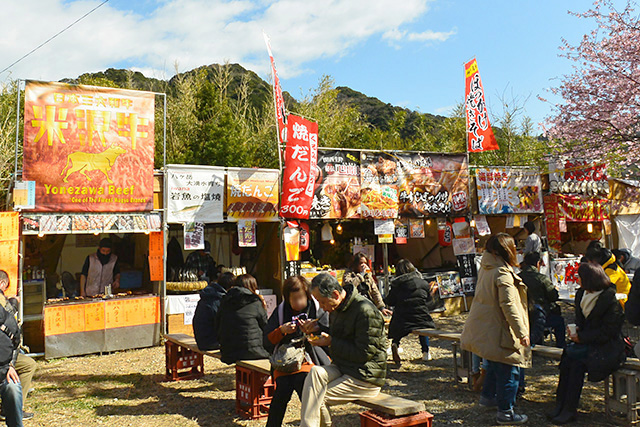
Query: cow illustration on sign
(82, 162)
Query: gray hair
(325, 283)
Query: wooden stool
(623, 394)
(376, 419)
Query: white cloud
(195, 33)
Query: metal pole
(15, 173)
(385, 267)
(165, 226)
(20, 284)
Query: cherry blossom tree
(599, 116)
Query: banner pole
(15, 174)
(165, 226)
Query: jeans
(501, 382)
(285, 385)
(424, 342)
(11, 394)
(556, 323)
(478, 362)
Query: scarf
(588, 302)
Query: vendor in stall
(202, 263)
(99, 270)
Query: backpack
(290, 356)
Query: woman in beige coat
(497, 328)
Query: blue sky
(407, 53)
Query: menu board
(509, 190)
(337, 188)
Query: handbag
(577, 351)
(288, 357)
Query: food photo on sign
(87, 148)
(337, 185)
(432, 184)
(379, 185)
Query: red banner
(301, 158)
(480, 136)
(89, 149)
(579, 209)
(552, 213)
(281, 112)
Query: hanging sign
(432, 184)
(337, 192)
(379, 185)
(88, 148)
(552, 213)
(301, 158)
(401, 231)
(416, 228)
(195, 193)
(480, 136)
(509, 190)
(247, 233)
(193, 236)
(252, 194)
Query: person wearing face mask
(99, 270)
(298, 314)
(361, 278)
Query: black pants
(285, 385)
(570, 384)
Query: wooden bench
(454, 337)
(392, 406)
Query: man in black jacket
(205, 315)
(10, 388)
(358, 351)
(541, 292)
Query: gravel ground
(128, 389)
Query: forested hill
(377, 113)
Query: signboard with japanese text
(9, 249)
(88, 148)
(480, 136)
(552, 213)
(195, 194)
(432, 184)
(252, 194)
(509, 190)
(281, 112)
(575, 176)
(299, 176)
(583, 209)
(337, 185)
(378, 185)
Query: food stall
(235, 211)
(577, 212)
(87, 173)
(389, 205)
(625, 211)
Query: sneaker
(488, 403)
(510, 417)
(27, 415)
(426, 356)
(395, 354)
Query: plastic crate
(376, 419)
(254, 392)
(182, 363)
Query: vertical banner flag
(299, 178)
(281, 113)
(480, 136)
(89, 148)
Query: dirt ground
(128, 389)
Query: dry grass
(128, 389)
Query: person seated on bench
(540, 291)
(599, 255)
(297, 315)
(497, 327)
(358, 352)
(412, 301)
(597, 347)
(204, 318)
(240, 322)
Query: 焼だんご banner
(89, 148)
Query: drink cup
(572, 328)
